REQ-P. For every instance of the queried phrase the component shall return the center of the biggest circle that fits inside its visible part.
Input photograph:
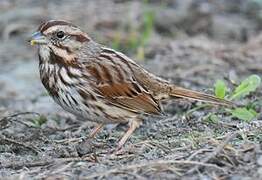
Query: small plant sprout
(250, 84)
(137, 36)
(244, 114)
(220, 89)
(39, 121)
(247, 86)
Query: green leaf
(213, 118)
(248, 85)
(148, 23)
(39, 121)
(220, 89)
(244, 114)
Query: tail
(194, 95)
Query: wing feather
(115, 81)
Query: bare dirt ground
(191, 43)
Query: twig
(26, 164)
(165, 148)
(18, 165)
(150, 164)
(67, 141)
(10, 117)
(12, 141)
(153, 144)
(196, 153)
(20, 113)
(215, 152)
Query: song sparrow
(97, 83)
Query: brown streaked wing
(125, 93)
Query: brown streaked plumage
(98, 83)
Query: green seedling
(211, 118)
(244, 114)
(137, 36)
(247, 86)
(148, 25)
(39, 121)
(220, 89)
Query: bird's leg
(133, 124)
(91, 135)
(96, 130)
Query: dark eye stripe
(80, 37)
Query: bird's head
(59, 38)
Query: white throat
(44, 52)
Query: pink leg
(96, 130)
(135, 123)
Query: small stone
(259, 172)
(259, 161)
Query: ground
(190, 43)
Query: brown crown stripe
(46, 25)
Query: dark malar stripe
(60, 61)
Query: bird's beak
(37, 38)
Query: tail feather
(194, 95)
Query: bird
(100, 84)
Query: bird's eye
(60, 34)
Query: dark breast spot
(86, 96)
(76, 103)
